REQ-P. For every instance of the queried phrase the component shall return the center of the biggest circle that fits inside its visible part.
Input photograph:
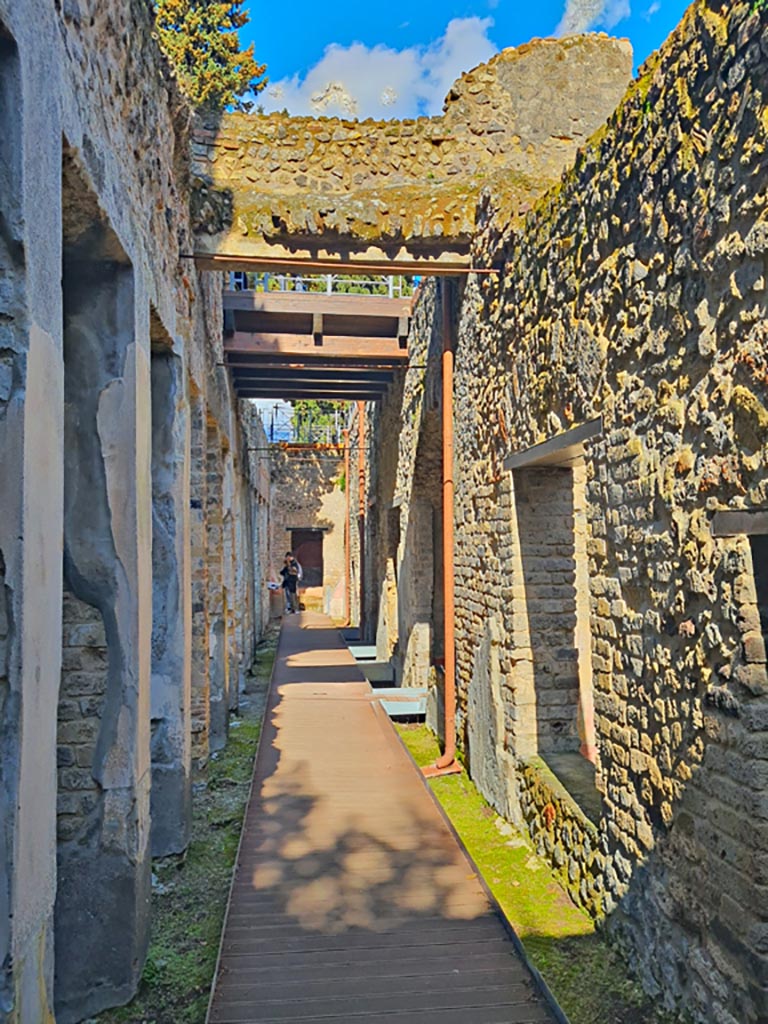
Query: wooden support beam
(403, 326)
(288, 392)
(304, 385)
(309, 385)
(229, 322)
(444, 263)
(317, 328)
(752, 522)
(290, 373)
(277, 362)
(303, 345)
(329, 396)
(363, 306)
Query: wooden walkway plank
(352, 900)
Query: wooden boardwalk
(352, 900)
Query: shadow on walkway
(352, 899)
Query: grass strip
(189, 892)
(587, 976)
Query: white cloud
(581, 15)
(362, 81)
(615, 11)
(653, 9)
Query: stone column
(31, 500)
(218, 668)
(171, 605)
(229, 556)
(200, 710)
(104, 710)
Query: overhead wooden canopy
(293, 345)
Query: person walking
(290, 574)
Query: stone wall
(218, 662)
(418, 494)
(260, 514)
(200, 708)
(266, 181)
(384, 581)
(663, 217)
(632, 297)
(96, 459)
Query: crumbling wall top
(267, 181)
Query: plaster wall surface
(171, 746)
(107, 541)
(200, 709)
(218, 660)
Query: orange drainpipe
(347, 531)
(447, 764)
(361, 508)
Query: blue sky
(398, 59)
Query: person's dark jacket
(290, 576)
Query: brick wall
(546, 530)
(83, 688)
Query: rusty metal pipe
(361, 509)
(347, 533)
(447, 764)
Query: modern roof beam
(300, 345)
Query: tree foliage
(200, 38)
(314, 419)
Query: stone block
(78, 732)
(754, 647)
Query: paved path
(352, 900)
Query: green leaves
(200, 38)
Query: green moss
(190, 896)
(716, 23)
(587, 976)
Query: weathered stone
(608, 308)
(84, 302)
(524, 147)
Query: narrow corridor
(352, 899)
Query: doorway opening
(307, 548)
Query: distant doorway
(307, 547)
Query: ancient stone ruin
(288, 188)
(610, 406)
(599, 250)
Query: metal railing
(282, 426)
(394, 286)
